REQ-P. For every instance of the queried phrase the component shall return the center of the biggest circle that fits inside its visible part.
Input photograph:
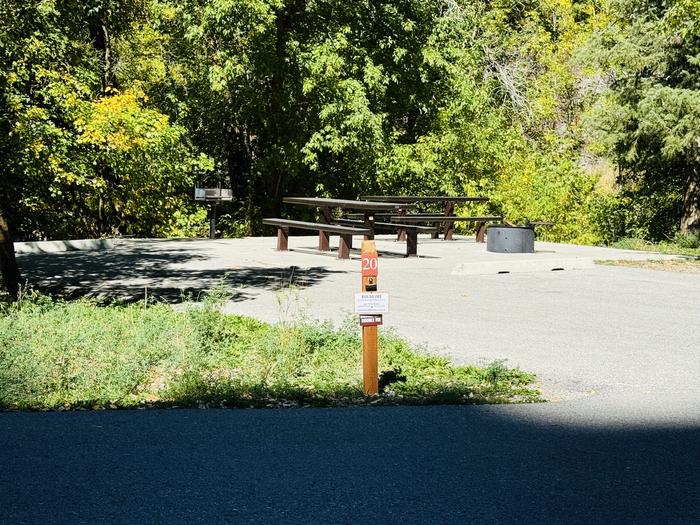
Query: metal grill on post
(212, 196)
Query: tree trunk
(102, 42)
(239, 159)
(282, 126)
(690, 222)
(9, 271)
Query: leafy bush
(189, 223)
(546, 186)
(689, 241)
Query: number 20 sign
(370, 264)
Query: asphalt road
(478, 464)
(617, 351)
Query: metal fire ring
(503, 238)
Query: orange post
(370, 365)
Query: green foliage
(83, 158)
(51, 356)
(144, 175)
(644, 215)
(111, 109)
(681, 244)
(192, 224)
(304, 97)
(687, 241)
(650, 118)
(552, 188)
(509, 127)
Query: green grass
(679, 245)
(73, 354)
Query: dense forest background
(582, 112)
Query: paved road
(617, 350)
(479, 464)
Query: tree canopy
(583, 112)
(649, 119)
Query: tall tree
(651, 116)
(80, 153)
(305, 95)
(31, 39)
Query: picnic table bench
(412, 231)
(345, 233)
(450, 220)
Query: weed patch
(77, 354)
(679, 245)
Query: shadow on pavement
(440, 464)
(169, 273)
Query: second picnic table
(448, 217)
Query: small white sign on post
(372, 303)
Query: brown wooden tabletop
(422, 198)
(346, 204)
(441, 218)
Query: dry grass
(672, 265)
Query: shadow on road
(169, 272)
(474, 464)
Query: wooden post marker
(370, 366)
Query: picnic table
(325, 207)
(326, 224)
(448, 218)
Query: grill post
(212, 220)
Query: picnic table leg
(412, 243)
(345, 246)
(480, 231)
(324, 238)
(449, 225)
(369, 223)
(436, 233)
(401, 232)
(282, 239)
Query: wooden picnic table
(325, 207)
(449, 207)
